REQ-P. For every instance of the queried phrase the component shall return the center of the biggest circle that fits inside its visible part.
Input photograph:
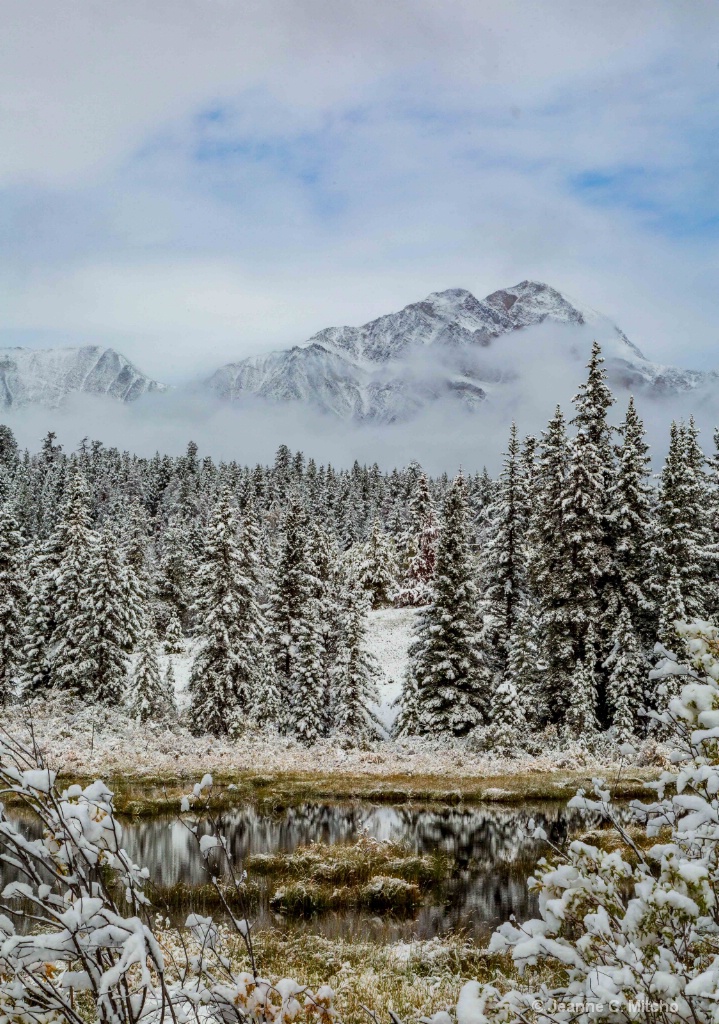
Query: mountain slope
(49, 376)
(441, 348)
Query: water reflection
(490, 851)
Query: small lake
(490, 852)
(488, 847)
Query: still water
(490, 852)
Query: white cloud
(441, 138)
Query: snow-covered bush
(633, 933)
(77, 934)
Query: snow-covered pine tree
(587, 564)
(631, 523)
(547, 569)
(508, 727)
(137, 576)
(378, 569)
(12, 598)
(671, 611)
(699, 498)
(523, 667)
(503, 561)
(308, 683)
(407, 721)
(683, 544)
(9, 454)
(71, 665)
(265, 707)
(627, 667)
(591, 573)
(39, 625)
(453, 683)
(223, 674)
(292, 590)
(581, 711)
(355, 671)
(282, 471)
(419, 549)
(103, 629)
(324, 560)
(152, 697)
(173, 584)
(174, 642)
(171, 683)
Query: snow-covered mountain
(48, 376)
(441, 348)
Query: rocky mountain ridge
(392, 367)
(48, 377)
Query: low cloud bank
(530, 373)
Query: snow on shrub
(626, 934)
(634, 931)
(77, 925)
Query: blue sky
(197, 180)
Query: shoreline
(143, 796)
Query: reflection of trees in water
(491, 854)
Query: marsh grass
(413, 979)
(365, 875)
(148, 796)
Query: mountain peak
(393, 366)
(49, 376)
(449, 297)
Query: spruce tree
(627, 671)
(523, 667)
(587, 562)
(355, 671)
(508, 728)
(671, 610)
(378, 569)
(324, 562)
(71, 667)
(581, 713)
(453, 684)
(174, 642)
(103, 630)
(503, 565)
(173, 583)
(152, 698)
(292, 590)
(683, 547)
(40, 618)
(223, 674)
(547, 569)
(419, 549)
(12, 599)
(171, 685)
(631, 524)
(265, 704)
(308, 680)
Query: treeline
(582, 567)
(270, 570)
(542, 594)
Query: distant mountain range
(48, 377)
(440, 348)
(387, 370)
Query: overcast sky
(195, 180)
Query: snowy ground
(388, 637)
(104, 741)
